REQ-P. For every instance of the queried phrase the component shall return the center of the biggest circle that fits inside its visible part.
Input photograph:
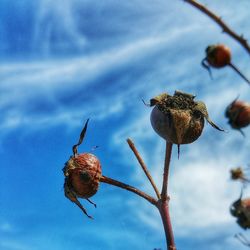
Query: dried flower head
(82, 175)
(238, 113)
(179, 118)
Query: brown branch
(223, 25)
(164, 191)
(127, 187)
(144, 167)
(163, 207)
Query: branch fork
(162, 199)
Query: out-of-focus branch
(239, 38)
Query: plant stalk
(163, 203)
(143, 166)
(127, 187)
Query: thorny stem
(218, 20)
(163, 203)
(142, 164)
(132, 189)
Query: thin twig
(144, 167)
(223, 25)
(164, 191)
(122, 185)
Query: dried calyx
(179, 118)
(82, 175)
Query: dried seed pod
(241, 210)
(82, 175)
(238, 113)
(219, 56)
(178, 118)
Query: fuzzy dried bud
(238, 114)
(237, 174)
(178, 118)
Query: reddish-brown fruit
(83, 173)
(218, 56)
(238, 113)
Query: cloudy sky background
(62, 62)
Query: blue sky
(62, 62)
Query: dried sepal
(158, 99)
(201, 107)
(82, 135)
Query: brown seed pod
(178, 118)
(238, 113)
(241, 210)
(219, 56)
(82, 175)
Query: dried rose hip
(241, 210)
(82, 175)
(238, 113)
(178, 118)
(219, 56)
